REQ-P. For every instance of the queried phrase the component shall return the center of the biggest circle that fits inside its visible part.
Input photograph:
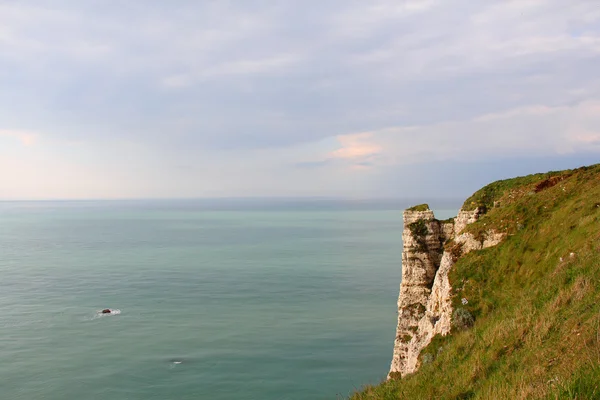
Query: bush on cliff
(462, 319)
(419, 231)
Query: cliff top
(488, 195)
(420, 207)
(534, 298)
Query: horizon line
(332, 198)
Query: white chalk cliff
(425, 303)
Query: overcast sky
(121, 99)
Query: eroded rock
(424, 303)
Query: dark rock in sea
(106, 311)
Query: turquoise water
(218, 300)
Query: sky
(255, 98)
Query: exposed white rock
(465, 218)
(425, 300)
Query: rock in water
(106, 311)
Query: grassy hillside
(535, 299)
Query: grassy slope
(537, 318)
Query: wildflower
(464, 301)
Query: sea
(210, 299)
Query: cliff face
(424, 303)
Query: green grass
(420, 207)
(491, 193)
(537, 319)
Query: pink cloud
(589, 138)
(356, 146)
(26, 138)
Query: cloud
(357, 149)
(26, 138)
(312, 164)
(356, 146)
(587, 138)
(238, 67)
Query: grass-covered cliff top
(535, 299)
(420, 207)
(488, 195)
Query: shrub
(427, 358)
(419, 232)
(462, 318)
(405, 338)
(395, 376)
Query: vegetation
(462, 318)
(532, 302)
(419, 230)
(488, 195)
(447, 220)
(420, 207)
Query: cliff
(503, 301)
(425, 304)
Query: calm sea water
(218, 300)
